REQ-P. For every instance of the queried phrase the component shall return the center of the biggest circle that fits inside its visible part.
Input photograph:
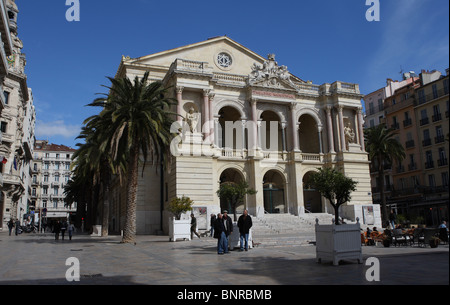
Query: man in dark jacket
(244, 225)
(219, 233)
(228, 223)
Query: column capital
(253, 101)
(293, 106)
(179, 89)
(206, 92)
(340, 108)
(328, 109)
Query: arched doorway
(230, 133)
(311, 198)
(274, 192)
(309, 134)
(230, 175)
(271, 138)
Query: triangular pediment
(208, 51)
(222, 55)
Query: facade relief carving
(269, 74)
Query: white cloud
(56, 128)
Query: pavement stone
(37, 259)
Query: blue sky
(322, 41)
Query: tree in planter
(334, 186)
(179, 206)
(234, 193)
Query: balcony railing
(424, 121)
(439, 139)
(407, 122)
(426, 142)
(429, 164)
(442, 162)
(436, 117)
(409, 144)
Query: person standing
(70, 230)
(63, 228)
(212, 221)
(10, 226)
(219, 233)
(57, 229)
(392, 219)
(17, 226)
(228, 223)
(244, 224)
(194, 226)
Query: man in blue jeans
(244, 225)
(219, 233)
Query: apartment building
(50, 173)
(419, 112)
(17, 120)
(375, 115)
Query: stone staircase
(284, 230)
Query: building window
(46, 165)
(6, 93)
(435, 93)
(429, 159)
(44, 203)
(431, 180)
(56, 178)
(45, 190)
(55, 204)
(421, 96)
(423, 117)
(3, 127)
(55, 191)
(444, 177)
(445, 86)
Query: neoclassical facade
(243, 116)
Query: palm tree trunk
(105, 220)
(382, 195)
(129, 234)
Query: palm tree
(138, 119)
(383, 147)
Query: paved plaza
(37, 259)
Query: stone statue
(349, 134)
(192, 119)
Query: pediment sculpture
(269, 74)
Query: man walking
(194, 227)
(244, 225)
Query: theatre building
(245, 116)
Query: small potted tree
(180, 228)
(336, 241)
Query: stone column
(216, 127)
(205, 115)
(319, 131)
(283, 135)
(295, 140)
(211, 118)
(255, 134)
(244, 125)
(360, 121)
(330, 130)
(341, 127)
(180, 102)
